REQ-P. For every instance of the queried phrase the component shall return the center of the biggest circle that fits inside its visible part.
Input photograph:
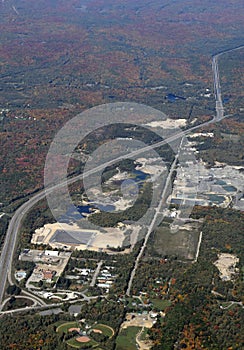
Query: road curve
(219, 116)
(16, 221)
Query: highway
(217, 87)
(16, 221)
(219, 116)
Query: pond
(173, 98)
(79, 212)
(230, 188)
(214, 198)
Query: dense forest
(195, 319)
(60, 58)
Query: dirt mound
(83, 339)
(74, 329)
(97, 331)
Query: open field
(160, 304)
(106, 330)
(127, 339)
(60, 235)
(182, 244)
(84, 339)
(137, 320)
(81, 342)
(66, 326)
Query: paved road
(44, 306)
(158, 211)
(217, 87)
(35, 303)
(29, 308)
(16, 221)
(96, 273)
(219, 116)
(10, 241)
(198, 246)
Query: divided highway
(16, 221)
(217, 89)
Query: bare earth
(83, 339)
(136, 320)
(74, 329)
(167, 123)
(97, 331)
(226, 265)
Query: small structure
(20, 275)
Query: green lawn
(182, 244)
(126, 339)
(65, 326)
(144, 334)
(160, 304)
(75, 344)
(108, 331)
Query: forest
(201, 310)
(60, 58)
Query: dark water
(173, 98)
(74, 213)
(216, 198)
(230, 188)
(84, 209)
(220, 182)
(106, 207)
(226, 187)
(140, 175)
(71, 215)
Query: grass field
(75, 344)
(144, 333)
(182, 244)
(127, 339)
(160, 304)
(66, 326)
(108, 331)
